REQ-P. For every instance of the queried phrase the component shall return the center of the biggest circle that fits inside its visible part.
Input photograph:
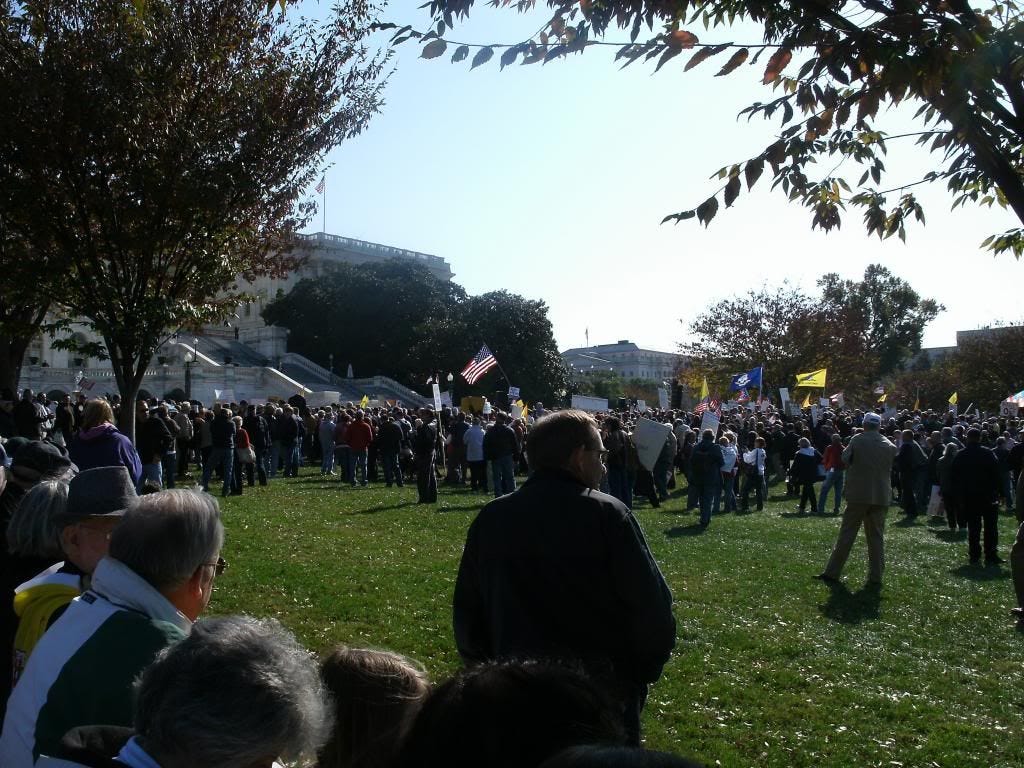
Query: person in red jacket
(835, 472)
(360, 435)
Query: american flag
(707, 404)
(321, 186)
(743, 396)
(479, 365)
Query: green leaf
(433, 49)
(677, 217)
(509, 56)
(482, 57)
(460, 53)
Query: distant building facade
(623, 358)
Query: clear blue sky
(550, 181)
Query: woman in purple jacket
(99, 444)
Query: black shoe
(994, 560)
(826, 578)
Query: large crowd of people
(560, 612)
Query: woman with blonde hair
(100, 444)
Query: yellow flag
(807, 401)
(365, 401)
(917, 405)
(881, 398)
(952, 399)
(703, 389)
(812, 379)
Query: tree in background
(860, 331)
(395, 318)
(154, 151)
(834, 69)
(883, 312)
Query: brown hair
(377, 694)
(553, 438)
(97, 412)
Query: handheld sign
(649, 437)
(710, 421)
(590, 404)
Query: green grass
(771, 668)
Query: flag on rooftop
(479, 365)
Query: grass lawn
(771, 667)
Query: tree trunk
(128, 372)
(12, 355)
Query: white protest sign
(513, 393)
(784, 397)
(224, 395)
(649, 437)
(840, 400)
(437, 396)
(487, 407)
(815, 415)
(446, 399)
(641, 406)
(663, 398)
(591, 404)
(889, 413)
(1008, 408)
(824, 402)
(709, 421)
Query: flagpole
(507, 379)
(324, 197)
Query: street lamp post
(188, 368)
(451, 387)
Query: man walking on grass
(868, 459)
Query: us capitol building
(244, 358)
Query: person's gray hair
(164, 537)
(235, 692)
(33, 530)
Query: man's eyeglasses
(219, 567)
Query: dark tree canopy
(834, 69)
(154, 151)
(395, 318)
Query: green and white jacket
(81, 671)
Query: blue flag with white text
(751, 378)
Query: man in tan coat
(868, 458)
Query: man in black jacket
(424, 444)
(558, 569)
(259, 435)
(975, 482)
(222, 430)
(500, 449)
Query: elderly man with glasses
(145, 594)
(559, 569)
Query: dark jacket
(222, 430)
(152, 438)
(805, 467)
(557, 569)
(975, 477)
(390, 437)
(706, 463)
(500, 441)
(259, 431)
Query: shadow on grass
(978, 572)
(907, 522)
(798, 514)
(848, 607)
(684, 530)
(780, 497)
(948, 535)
